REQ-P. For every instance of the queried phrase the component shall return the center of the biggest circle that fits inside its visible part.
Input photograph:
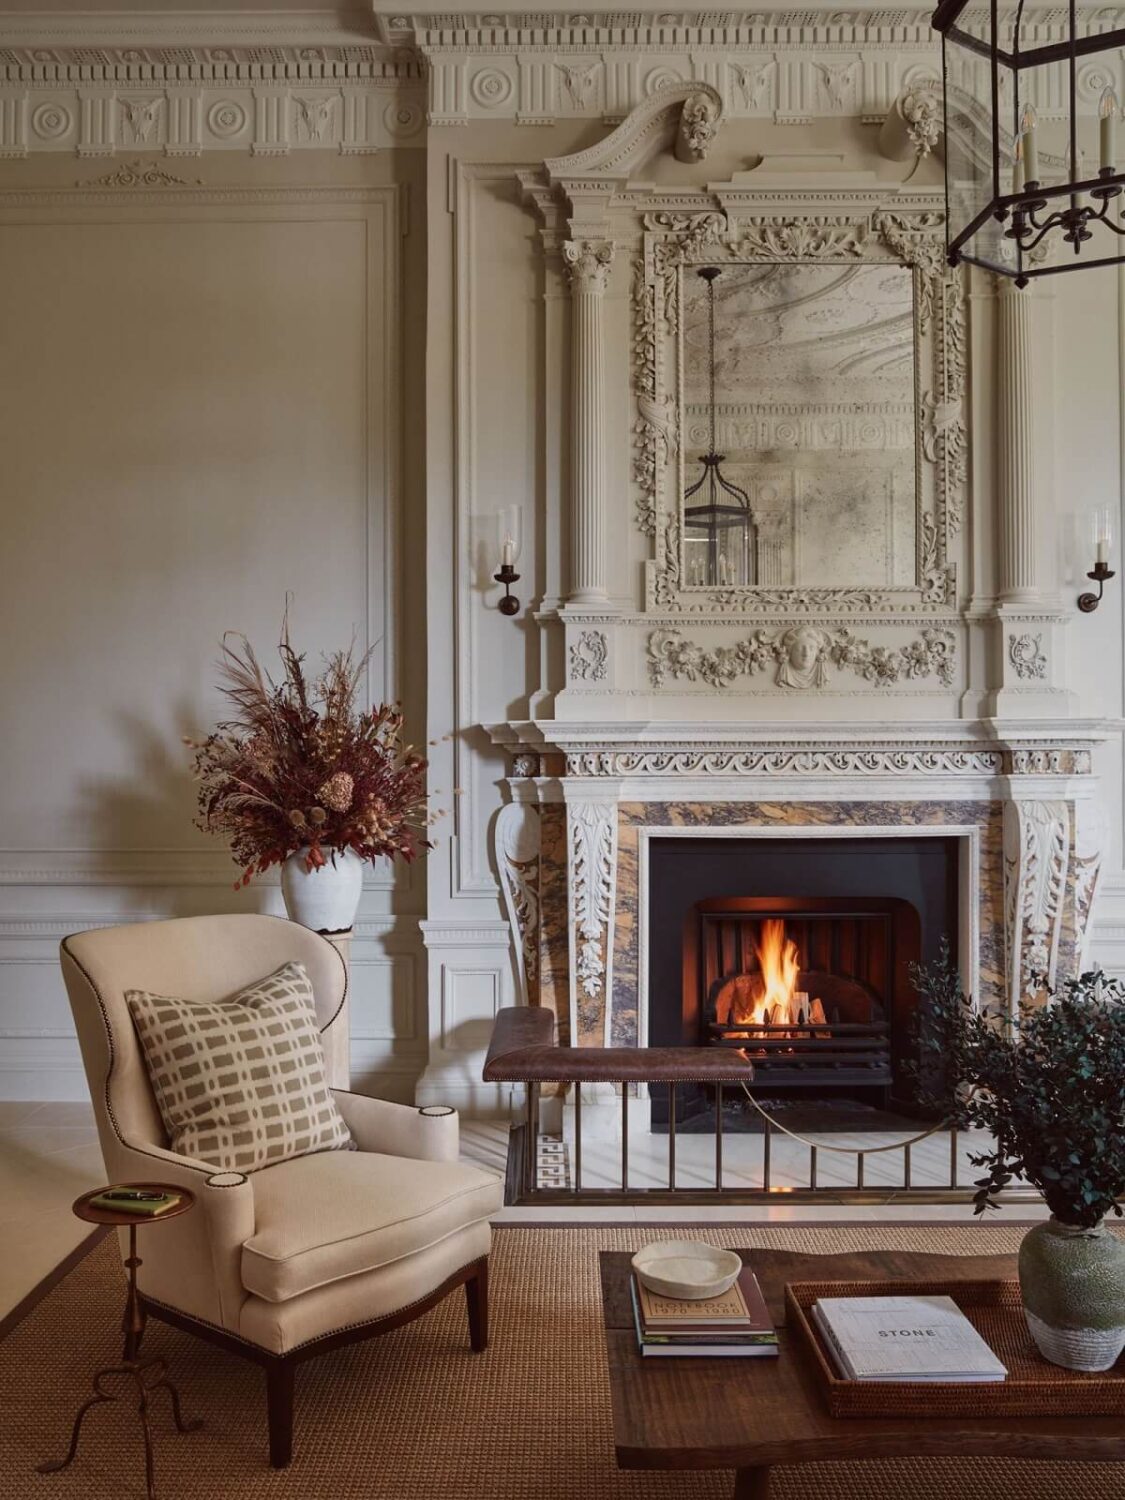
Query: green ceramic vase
(1073, 1286)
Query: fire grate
(838, 1053)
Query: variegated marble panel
(843, 815)
(554, 947)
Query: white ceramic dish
(686, 1268)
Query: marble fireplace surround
(571, 844)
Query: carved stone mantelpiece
(1024, 807)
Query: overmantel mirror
(800, 438)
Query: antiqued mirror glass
(799, 461)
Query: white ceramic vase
(325, 898)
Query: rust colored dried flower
(295, 744)
(337, 792)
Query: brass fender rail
(523, 1050)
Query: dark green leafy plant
(1048, 1085)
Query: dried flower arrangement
(300, 766)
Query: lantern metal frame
(1027, 224)
(710, 520)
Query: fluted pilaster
(1017, 526)
(588, 263)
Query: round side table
(142, 1376)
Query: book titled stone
(905, 1338)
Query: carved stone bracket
(517, 860)
(800, 657)
(1091, 839)
(591, 870)
(1036, 865)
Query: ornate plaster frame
(830, 227)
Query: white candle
(1017, 170)
(1102, 550)
(508, 553)
(1030, 147)
(1108, 111)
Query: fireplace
(797, 951)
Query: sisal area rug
(415, 1416)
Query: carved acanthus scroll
(1091, 838)
(1036, 865)
(591, 868)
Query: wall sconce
(510, 539)
(1102, 530)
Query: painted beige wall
(202, 413)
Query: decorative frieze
(801, 657)
(784, 761)
(270, 108)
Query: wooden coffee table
(751, 1414)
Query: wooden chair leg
(279, 1406)
(476, 1294)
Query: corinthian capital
(587, 263)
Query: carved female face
(804, 645)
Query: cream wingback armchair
(299, 1257)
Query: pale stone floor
(49, 1154)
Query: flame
(781, 967)
(771, 996)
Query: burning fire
(770, 997)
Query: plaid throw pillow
(241, 1082)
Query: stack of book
(142, 1202)
(904, 1339)
(737, 1324)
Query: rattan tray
(1034, 1387)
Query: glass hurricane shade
(509, 535)
(1032, 178)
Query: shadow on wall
(141, 826)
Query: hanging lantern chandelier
(719, 532)
(1032, 177)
